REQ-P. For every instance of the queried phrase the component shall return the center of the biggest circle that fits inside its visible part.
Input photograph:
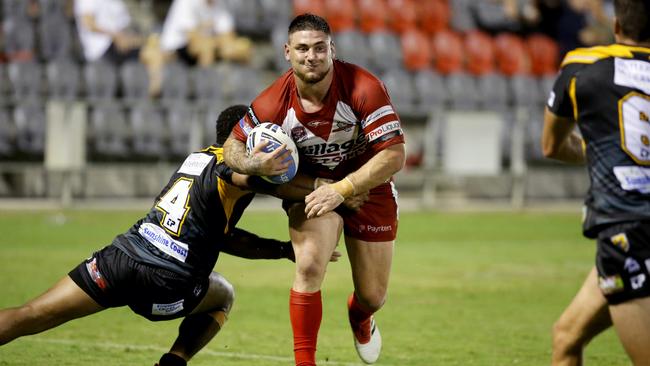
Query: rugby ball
(276, 136)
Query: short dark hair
(634, 18)
(227, 119)
(309, 21)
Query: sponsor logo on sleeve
(161, 240)
(632, 74)
(167, 309)
(195, 163)
(393, 126)
(633, 178)
(252, 116)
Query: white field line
(144, 347)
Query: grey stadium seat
(108, 132)
(7, 134)
(462, 91)
(401, 90)
(55, 37)
(430, 90)
(19, 39)
(146, 122)
(244, 83)
(352, 46)
(26, 80)
(524, 91)
(493, 92)
(100, 81)
(29, 118)
(135, 82)
(14, 9)
(208, 85)
(63, 79)
(179, 123)
(385, 50)
(175, 83)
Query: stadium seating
(179, 119)
(275, 13)
(430, 90)
(493, 92)
(341, 14)
(7, 135)
(416, 50)
(463, 93)
(148, 132)
(352, 46)
(524, 91)
(544, 54)
(479, 52)
(26, 80)
(372, 15)
(55, 37)
(175, 83)
(384, 48)
(135, 82)
(208, 85)
(49, 8)
(448, 52)
(29, 118)
(309, 6)
(403, 15)
(108, 133)
(462, 19)
(433, 15)
(19, 39)
(101, 81)
(511, 55)
(401, 90)
(63, 80)
(12, 9)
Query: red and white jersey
(356, 122)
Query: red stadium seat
(511, 55)
(433, 15)
(543, 52)
(341, 14)
(479, 50)
(372, 15)
(448, 53)
(416, 50)
(309, 6)
(403, 15)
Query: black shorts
(114, 279)
(623, 261)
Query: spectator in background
(104, 32)
(202, 31)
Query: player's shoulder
(274, 99)
(591, 55)
(357, 83)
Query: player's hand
(273, 163)
(355, 202)
(335, 256)
(321, 201)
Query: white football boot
(369, 352)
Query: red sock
(306, 312)
(359, 319)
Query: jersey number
(634, 121)
(174, 205)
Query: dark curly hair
(227, 119)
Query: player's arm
(559, 141)
(258, 162)
(244, 244)
(374, 172)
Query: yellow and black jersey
(606, 90)
(190, 217)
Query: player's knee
(372, 300)
(222, 291)
(565, 339)
(310, 268)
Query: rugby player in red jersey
(346, 130)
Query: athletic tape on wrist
(344, 187)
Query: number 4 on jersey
(174, 205)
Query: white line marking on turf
(143, 347)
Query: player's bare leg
(63, 302)
(632, 323)
(313, 242)
(205, 321)
(581, 321)
(371, 264)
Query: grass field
(466, 289)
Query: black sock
(170, 359)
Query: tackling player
(346, 129)
(162, 266)
(606, 92)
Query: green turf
(466, 289)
